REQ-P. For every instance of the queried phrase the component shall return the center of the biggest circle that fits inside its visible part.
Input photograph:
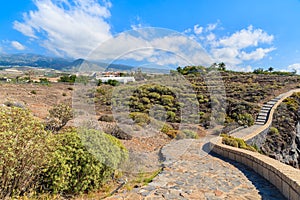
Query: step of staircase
(264, 110)
(267, 106)
(265, 114)
(262, 118)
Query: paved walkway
(194, 174)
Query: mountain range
(63, 64)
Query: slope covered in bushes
(34, 160)
(283, 139)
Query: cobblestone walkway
(194, 174)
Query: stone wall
(282, 176)
(260, 138)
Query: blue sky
(245, 34)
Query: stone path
(193, 174)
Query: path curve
(193, 175)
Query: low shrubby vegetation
(244, 93)
(58, 117)
(78, 166)
(236, 142)
(48, 158)
(34, 160)
(24, 151)
(282, 141)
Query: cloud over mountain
(67, 28)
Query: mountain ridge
(64, 64)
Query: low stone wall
(260, 138)
(282, 176)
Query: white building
(120, 79)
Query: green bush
(291, 103)
(171, 116)
(141, 119)
(112, 82)
(273, 131)
(167, 100)
(99, 82)
(166, 128)
(154, 95)
(82, 164)
(67, 78)
(44, 81)
(245, 119)
(236, 142)
(24, 150)
(230, 142)
(58, 117)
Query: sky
(245, 35)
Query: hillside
(245, 93)
(150, 102)
(283, 139)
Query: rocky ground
(187, 174)
(194, 174)
(283, 139)
(36, 97)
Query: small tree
(179, 69)
(222, 66)
(67, 78)
(113, 82)
(271, 69)
(99, 82)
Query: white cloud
(246, 38)
(24, 28)
(244, 45)
(211, 27)
(189, 30)
(257, 54)
(67, 28)
(247, 68)
(160, 46)
(226, 55)
(76, 28)
(211, 37)
(17, 45)
(136, 26)
(198, 29)
(295, 66)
